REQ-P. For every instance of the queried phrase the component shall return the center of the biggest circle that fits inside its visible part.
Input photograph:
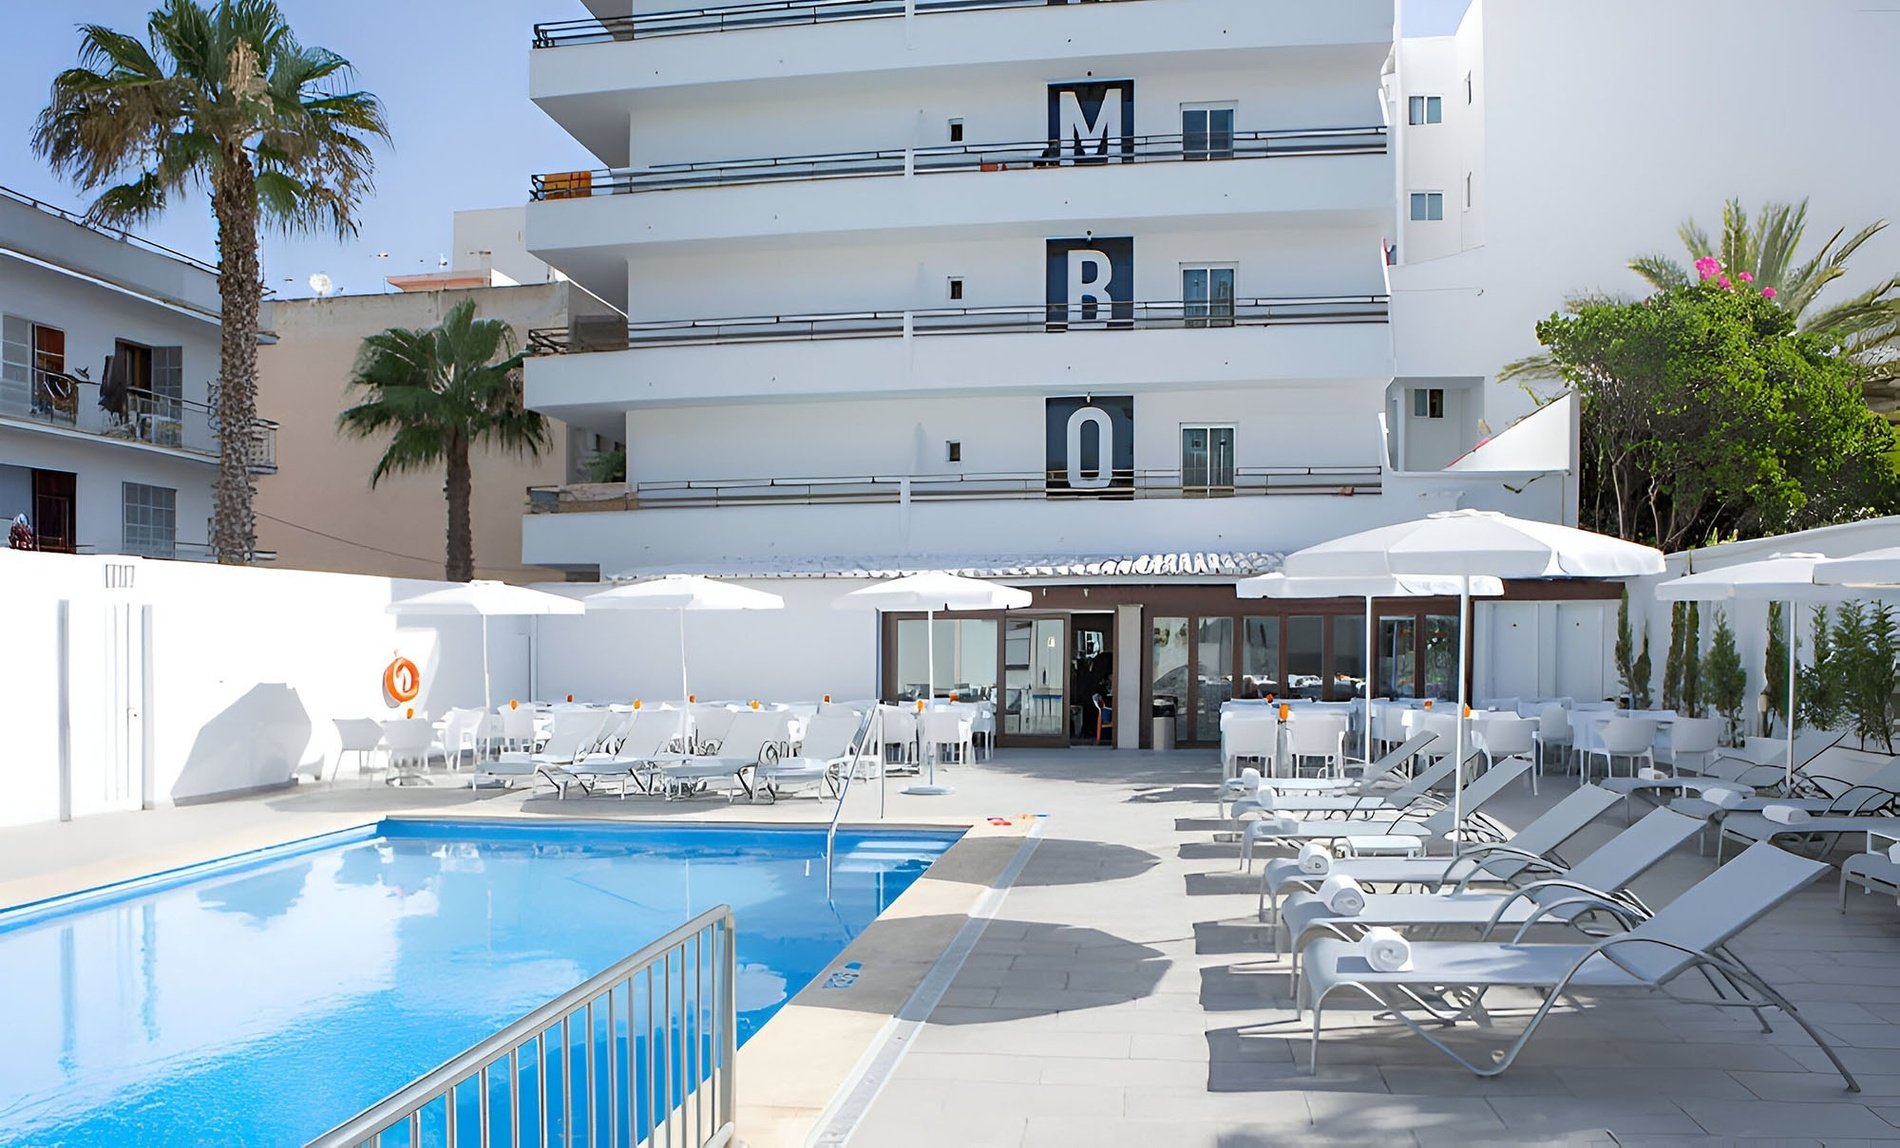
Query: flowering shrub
(1709, 267)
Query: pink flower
(1768, 292)
(1746, 277)
(1708, 266)
(1722, 282)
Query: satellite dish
(320, 283)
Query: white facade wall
(242, 674)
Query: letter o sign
(1104, 472)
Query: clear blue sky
(453, 76)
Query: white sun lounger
(574, 737)
(1448, 981)
(1372, 775)
(651, 732)
(1296, 804)
(1850, 799)
(1763, 765)
(749, 740)
(833, 742)
(1531, 850)
(1598, 882)
(1754, 827)
(1426, 818)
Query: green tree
(1865, 649)
(220, 98)
(1822, 688)
(1765, 254)
(439, 393)
(1728, 680)
(1705, 414)
(1692, 662)
(1775, 669)
(1672, 660)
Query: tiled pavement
(1125, 996)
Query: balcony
(143, 418)
(1032, 156)
(892, 490)
(768, 14)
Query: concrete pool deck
(1123, 993)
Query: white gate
(109, 737)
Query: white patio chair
(518, 732)
(1317, 737)
(407, 741)
(1633, 739)
(1247, 737)
(948, 729)
(898, 739)
(360, 736)
(1691, 743)
(1553, 731)
(459, 732)
(1502, 737)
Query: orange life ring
(402, 681)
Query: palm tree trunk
(240, 291)
(460, 566)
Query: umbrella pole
(488, 701)
(930, 684)
(1788, 787)
(1458, 770)
(1368, 669)
(684, 696)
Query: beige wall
(318, 511)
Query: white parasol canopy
(486, 598)
(931, 591)
(680, 593)
(1468, 544)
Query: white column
(1131, 708)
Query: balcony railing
(145, 417)
(1029, 156)
(972, 321)
(1138, 485)
(764, 14)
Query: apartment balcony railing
(966, 321)
(1138, 485)
(763, 14)
(1028, 156)
(145, 416)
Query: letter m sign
(1092, 121)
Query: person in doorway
(20, 534)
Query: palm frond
(1662, 272)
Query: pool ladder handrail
(874, 719)
(700, 1107)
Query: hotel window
(1428, 403)
(33, 368)
(151, 520)
(956, 131)
(956, 289)
(1427, 110)
(1207, 131)
(1207, 460)
(1428, 206)
(1207, 296)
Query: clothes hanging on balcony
(113, 385)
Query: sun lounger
(1425, 819)
(1448, 981)
(1372, 775)
(651, 732)
(832, 743)
(573, 737)
(1529, 851)
(1826, 830)
(1762, 765)
(1597, 883)
(753, 736)
(1872, 796)
(1268, 803)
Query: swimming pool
(265, 998)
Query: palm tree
(1766, 251)
(443, 391)
(220, 98)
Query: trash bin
(1161, 722)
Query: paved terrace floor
(1124, 995)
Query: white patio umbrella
(1280, 586)
(486, 598)
(1466, 545)
(930, 592)
(1789, 578)
(680, 593)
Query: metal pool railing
(641, 1054)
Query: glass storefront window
(1441, 656)
(1305, 657)
(1260, 658)
(966, 658)
(1349, 656)
(1033, 661)
(1398, 657)
(1214, 675)
(1168, 646)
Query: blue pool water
(265, 999)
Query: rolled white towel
(1893, 853)
(1648, 774)
(1316, 859)
(1343, 895)
(1287, 825)
(1386, 951)
(1262, 798)
(1721, 798)
(1785, 814)
(1250, 778)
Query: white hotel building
(1095, 297)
